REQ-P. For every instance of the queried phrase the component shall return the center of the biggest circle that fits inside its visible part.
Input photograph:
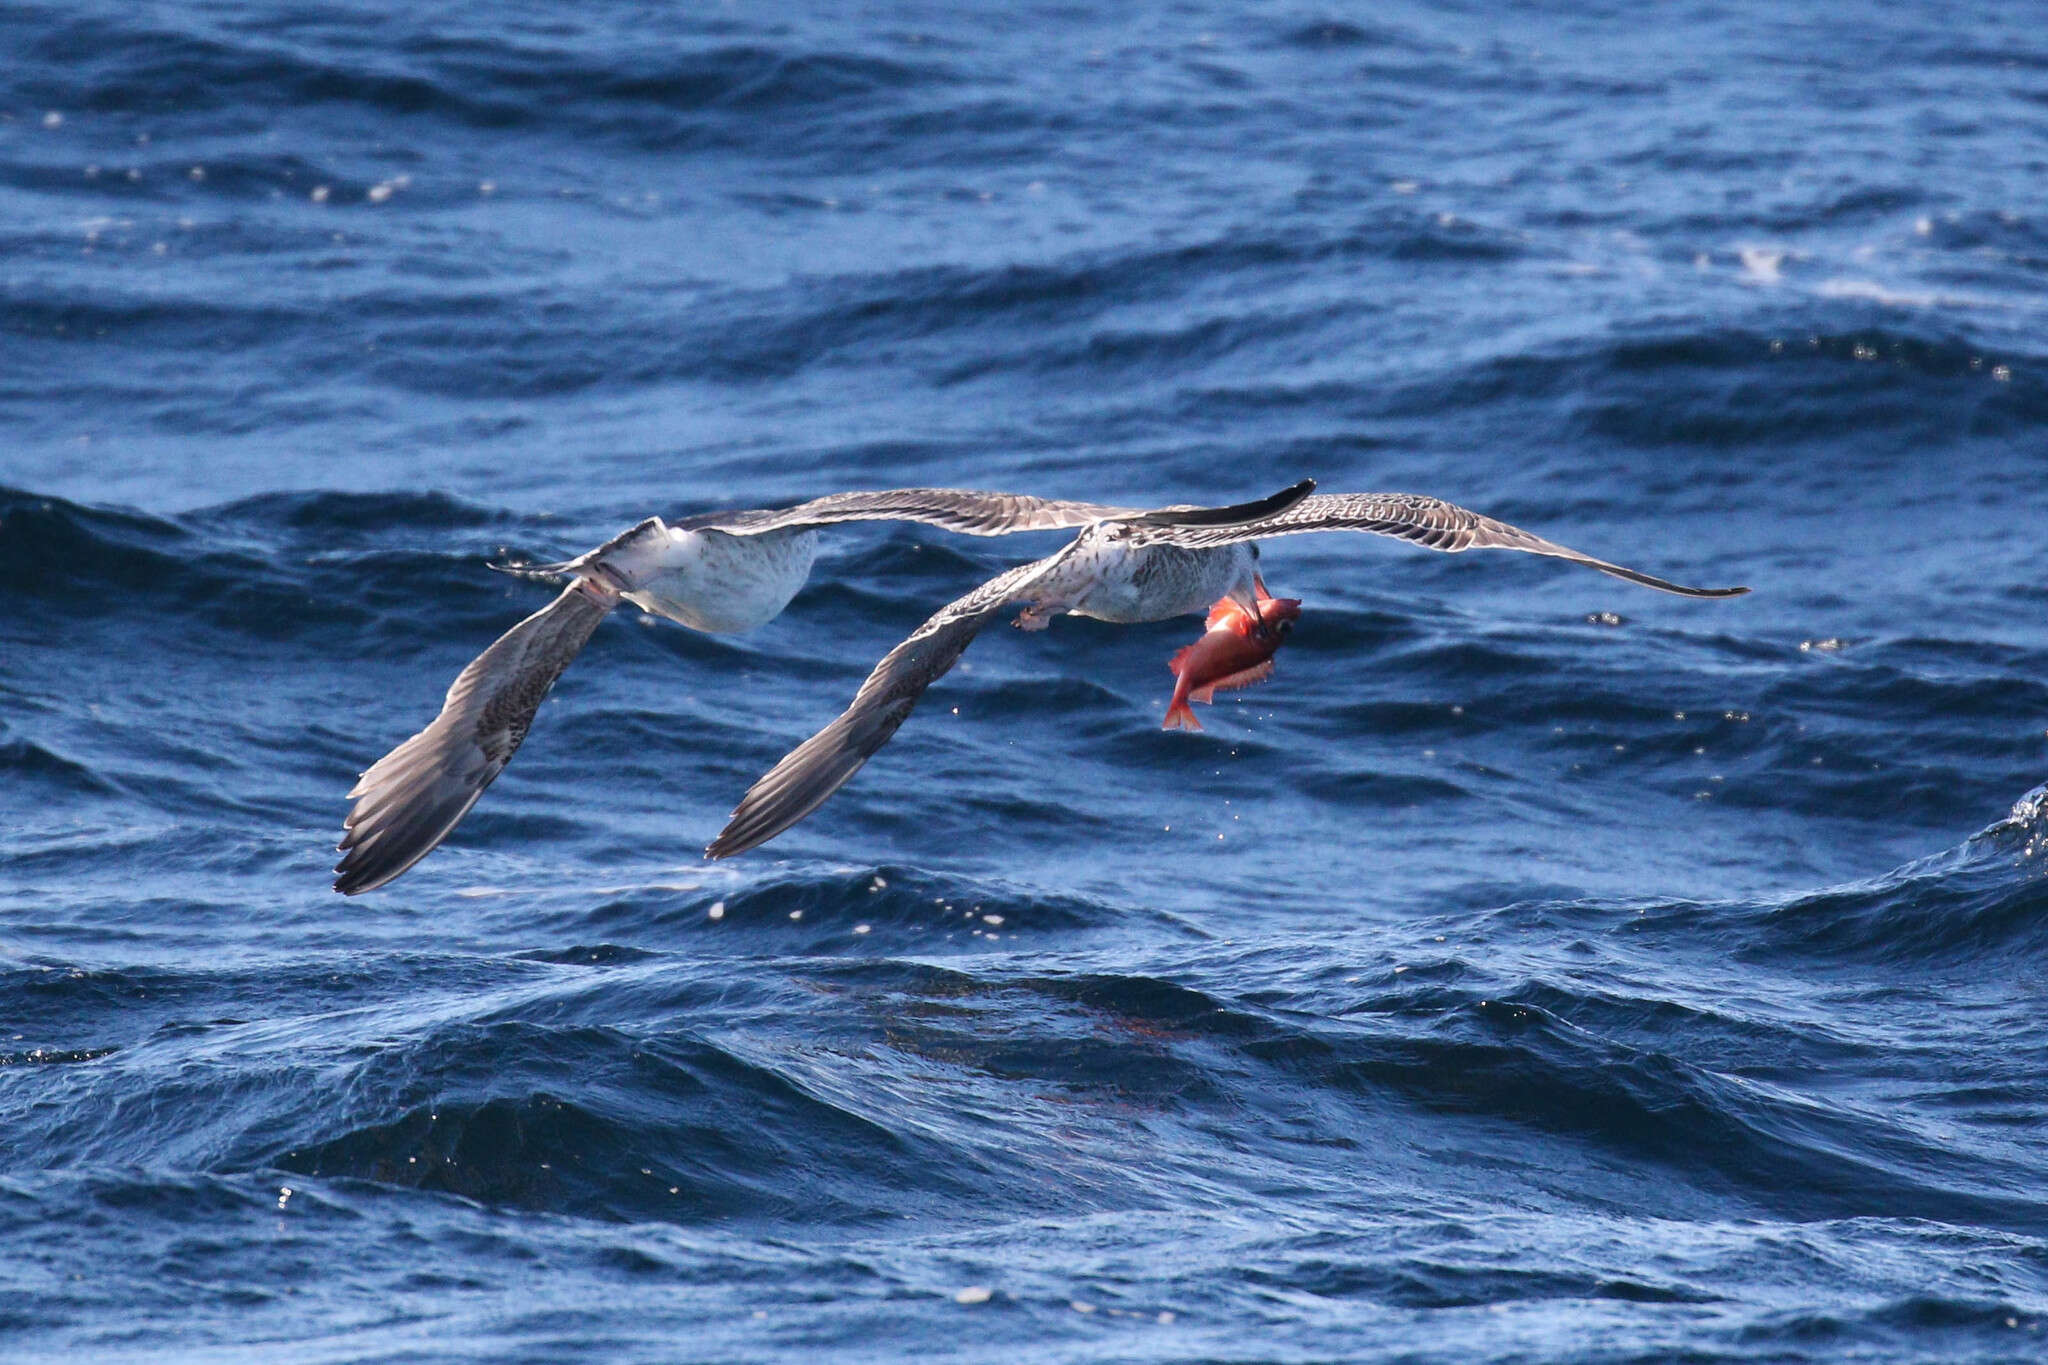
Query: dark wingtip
(730, 843)
(1661, 584)
(1681, 590)
(733, 839)
(748, 829)
(357, 872)
(352, 880)
(1233, 515)
(353, 876)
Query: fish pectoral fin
(1258, 672)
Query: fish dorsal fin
(1180, 657)
(1227, 612)
(1258, 672)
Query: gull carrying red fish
(1234, 652)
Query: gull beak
(1249, 598)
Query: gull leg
(1039, 615)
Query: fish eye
(1284, 628)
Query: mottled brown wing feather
(414, 796)
(1428, 522)
(812, 771)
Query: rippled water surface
(1537, 969)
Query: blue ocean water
(1537, 969)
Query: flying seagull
(1113, 571)
(720, 571)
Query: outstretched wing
(964, 510)
(812, 771)
(411, 798)
(1428, 522)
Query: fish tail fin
(1180, 717)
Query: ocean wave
(809, 910)
(707, 94)
(275, 567)
(1986, 901)
(1737, 389)
(1981, 903)
(331, 513)
(597, 1123)
(495, 348)
(26, 761)
(1345, 34)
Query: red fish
(1233, 653)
